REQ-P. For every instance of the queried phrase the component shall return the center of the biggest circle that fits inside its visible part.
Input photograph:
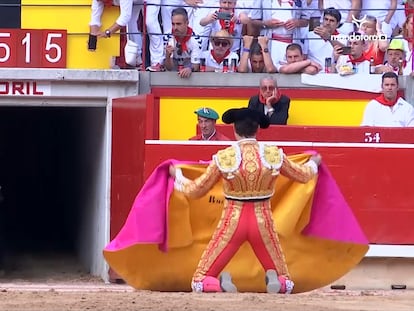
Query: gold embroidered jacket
(249, 171)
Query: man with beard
(183, 46)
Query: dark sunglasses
(222, 43)
(267, 88)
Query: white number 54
(372, 137)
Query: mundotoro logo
(358, 23)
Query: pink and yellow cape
(165, 233)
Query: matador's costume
(249, 171)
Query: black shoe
(226, 283)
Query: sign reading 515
(33, 48)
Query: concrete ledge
(43, 74)
(380, 273)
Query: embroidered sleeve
(298, 172)
(201, 185)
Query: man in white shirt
(389, 109)
(320, 39)
(183, 47)
(355, 60)
(348, 9)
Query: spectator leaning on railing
(296, 63)
(183, 47)
(255, 56)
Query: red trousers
(240, 222)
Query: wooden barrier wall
(372, 166)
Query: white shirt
(125, 7)
(211, 62)
(362, 67)
(319, 49)
(376, 8)
(399, 115)
(191, 56)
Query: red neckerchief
(262, 100)
(183, 40)
(382, 100)
(356, 61)
(219, 59)
(227, 25)
(408, 10)
(106, 2)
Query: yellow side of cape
(312, 262)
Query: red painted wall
(129, 130)
(375, 178)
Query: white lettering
(362, 37)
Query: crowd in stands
(286, 36)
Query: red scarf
(356, 61)
(262, 100)
(227, 25)
(106, 2)
(219, 59)
(183, 40)
(382, 100)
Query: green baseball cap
(207, 113)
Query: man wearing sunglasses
(271, 102)
(220, 53)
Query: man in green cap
(206, 119)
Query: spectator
(395, 59)
(348, 9)
(183, 47)
(221, 44)
(374, 48)
(206, 119)
(355, 61)
(408, 39)
(129, 14)
(389, 109)
(254, 11)
(271, 102)
(384, 13)
(281, 22)
(228, 18)
(198, 12)
(256, 57)
(296, 63)
(153, 9)
(319, 49)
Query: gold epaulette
(272, 157)
(228, 160)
